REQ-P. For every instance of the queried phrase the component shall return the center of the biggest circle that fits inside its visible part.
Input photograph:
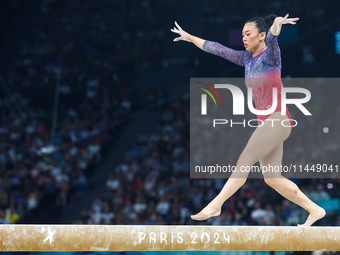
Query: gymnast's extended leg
(287, 188)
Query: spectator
(269, 217)
(258, 213)
(3, 219)
(107, 215)
(12, 215)
(320, 193)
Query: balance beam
(167, 238)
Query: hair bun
(270, 19)
(263, 24)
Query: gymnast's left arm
(273, 51)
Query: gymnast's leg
(262, 142)
(287, 188)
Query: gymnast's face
(251, 37)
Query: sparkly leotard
(262, 71)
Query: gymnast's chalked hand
(183, 35)
(285, 20)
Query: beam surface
(167, 238)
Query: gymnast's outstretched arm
(272, 55)
(234, 56)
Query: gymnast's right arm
(234, 56)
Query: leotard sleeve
(272, 54)
(234, 56)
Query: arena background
(94, 119)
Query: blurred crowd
(36, 160)
(93, 42)
(104, 42)
(90, 69)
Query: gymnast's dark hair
(263, 24)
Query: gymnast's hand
(184, 35)
(279, 21)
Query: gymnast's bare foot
(206, 213)
(313, 217)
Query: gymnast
(262, 62)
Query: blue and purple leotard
(262, 71)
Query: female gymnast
(261, 59)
